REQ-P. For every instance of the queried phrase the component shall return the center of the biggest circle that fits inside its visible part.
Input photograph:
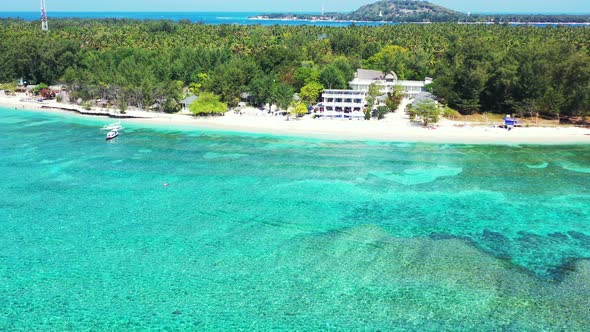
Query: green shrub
(39, 87)
(8, 86)
(411, 112)
(208, 104)
(382, 111)
(298, 109)
(87, 105)
(122, 106)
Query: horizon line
(281, 12)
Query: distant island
(414, 11)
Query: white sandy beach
(396, 126)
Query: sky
(474, 6)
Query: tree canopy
(427, 110)
(298, 109)
(476, 68)
(391, 58)
(372, 95)
(311, 92)
(208, 104)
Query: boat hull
(112, 135)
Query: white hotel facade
(351, 103)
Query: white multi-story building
(353, 102)
(364, 78)
(344, 100)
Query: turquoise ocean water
(258, 232)
(241, 18)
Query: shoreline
(395, 128)
(514, 23)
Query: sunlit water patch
(418, 175)
(538, 166)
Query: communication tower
(44, 24)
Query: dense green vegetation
(476, 68)
(207, 104)
(424, 11)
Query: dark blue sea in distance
(196, 17)
(241, 18)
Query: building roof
(367, 74)
(344, 92)
(374, 75)
(189, 100)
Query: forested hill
(424, 11)
(403, 10)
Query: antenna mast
(44, 24)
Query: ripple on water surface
(420, 175)
(538, 166)
(214, 155)
(575, 167)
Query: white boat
(112, 134)
(113, 126)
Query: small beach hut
(187, 102)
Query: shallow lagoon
(258, 232)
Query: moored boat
(112, 134)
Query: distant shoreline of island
(296, 19)
(404, 11)
(290, 18)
